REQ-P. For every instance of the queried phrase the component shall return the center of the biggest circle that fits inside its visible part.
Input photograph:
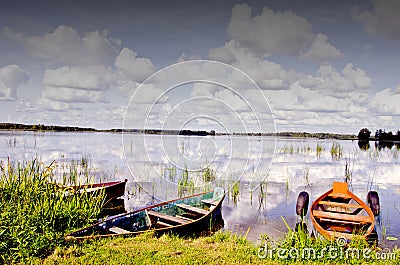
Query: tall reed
(36, 212)
(336, 151)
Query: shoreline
(53, 128)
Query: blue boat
(186, 215)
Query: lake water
(269, 172)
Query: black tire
(373, 202)
(302, 204)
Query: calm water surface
(269, 172)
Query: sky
(315, 66)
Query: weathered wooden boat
(340, 213)
(112, 190)
(184, 216)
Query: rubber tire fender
(302, 203)
(373, 202)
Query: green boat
(183, 216)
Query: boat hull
(186, 215)
(112, 190)
(340, 213)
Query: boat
(183, 216)
(112, 190)
(339, 213)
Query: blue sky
(322, 66)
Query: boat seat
(167, 217)
(339, 221)
(186, 218)
(118, 230)
(192, 209)
(340, 234)
(339, 204)
(341, 216)
(210, 202)
(160, 223)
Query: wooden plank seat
(339, 221)
(362, 219)
(192, 209)
(339, 228)
(163, 224)
(166, 217)
(210, 201)
(118, 230)
(339, 204)
(340, 234)
(187, 218)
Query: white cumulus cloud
(321, 50)
(383, 20)
(267, 74)
(85, 78)
(66, 46)
(269, 32)
(334, 82)
(70, 95)
(134, 67)
(386, 102)
(75, 85)
(357, 76)
(11, 76)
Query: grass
(185, 184)
(290, 149)
(319, 149)
(218, 248)
(208, 174)
(35, 213)
(235, 191)
(336, 151)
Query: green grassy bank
(219, 248)
(35, 213)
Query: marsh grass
(305, 150)
(318, 150)
(208, 174)
(262, 192)
(235, 192)
(336, 151)
(288, 149)
(348, 171)
(185, 184)
(35, 212)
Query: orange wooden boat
(340, 213)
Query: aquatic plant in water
(208, 174)
(319, 150)
(336, 151)
(184, 184)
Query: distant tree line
(42, 127)
(317, 135)
(380, 135)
